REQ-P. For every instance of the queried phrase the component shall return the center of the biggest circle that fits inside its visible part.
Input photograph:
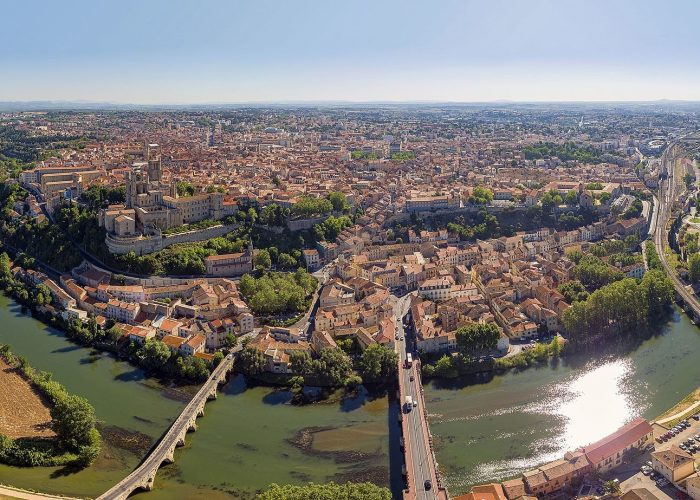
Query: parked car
(696, 417)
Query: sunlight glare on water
(596, 403)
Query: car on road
(427, 485)
(411, 378)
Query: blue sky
(176, 51)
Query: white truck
(409, 404)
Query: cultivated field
(23, 414)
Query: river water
(485, 428)
(247, 439)
(490, 428)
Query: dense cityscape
(335, 253)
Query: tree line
(624, 307)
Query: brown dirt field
(23, 413)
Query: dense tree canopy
(624, 306)
(573, 291)
(251, 361)
(332, 367)
(74, 418)
(377, 364)
(309, 206)
(276, 293)
(327, 491)
(594, 273)
(477, 336)
(481, 196)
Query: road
(668, 193)
(153, 461)
(421, 467)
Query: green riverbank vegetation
(328, 491)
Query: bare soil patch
(23, 412)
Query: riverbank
(685, 408)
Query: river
(485, 428)
(247, 439)
(491, 428)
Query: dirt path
(10, 492)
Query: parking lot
(630, 475)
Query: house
(493, 491)
(168, 326)
(193, 345)
(230, 264)
(692, 486)
(312, 258)
(674, 464)
(140, 334)
(436, 288)
(246, 321)
(173, 342)
(514, 488)
(639, 494)
(607, 453)
(124, 312)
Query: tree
(477, 336)
(573, 291)
(688, 179)
(571, 198)
(153, 354)
(377, 364)
(594, 273)
(230, 341)
(658, 291)
(184, 189)
(301, 362)
(114, 334)
(694, 267)
(445, 368)
(218, 358)
(74, 418)
(550, 199)
(338, 201)
(252, 361)
(263, 259)
(481, 196)
(286, 261)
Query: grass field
(23, 413)
(682, 409)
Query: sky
(237, 51)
